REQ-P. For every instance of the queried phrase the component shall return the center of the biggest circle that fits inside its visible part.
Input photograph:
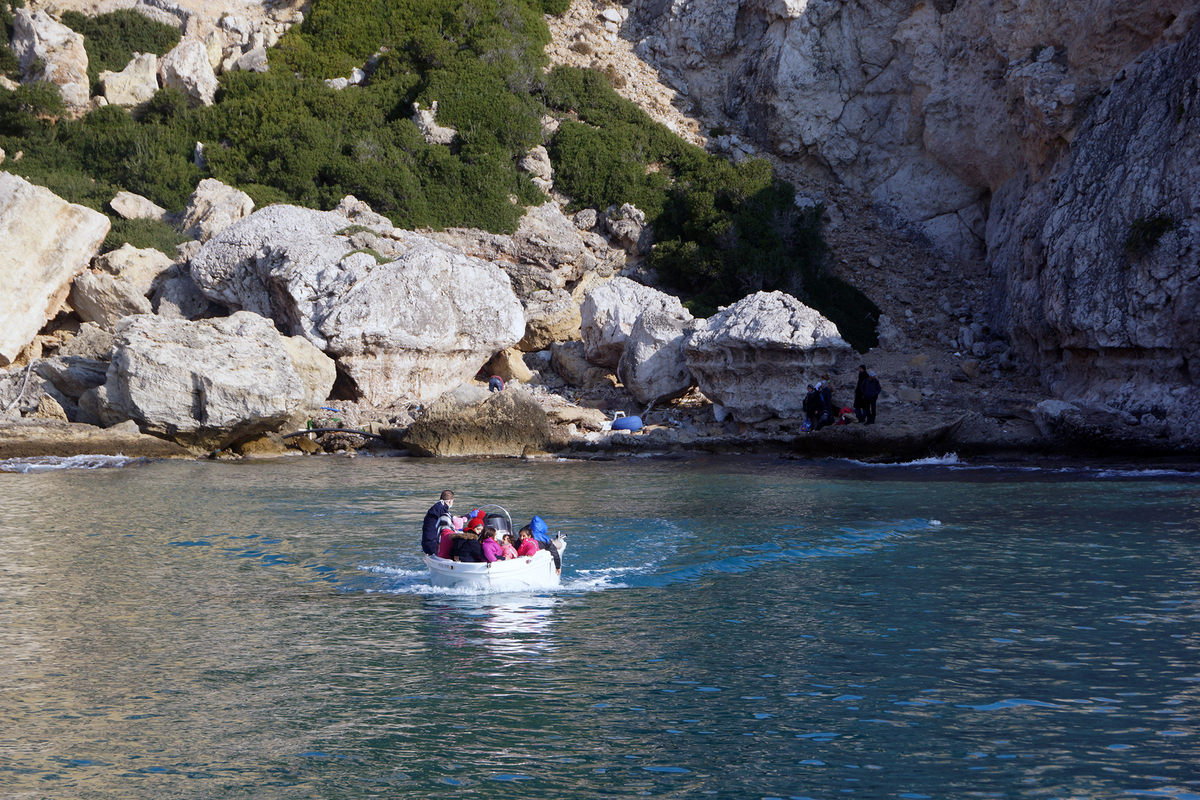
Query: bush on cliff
(723, 230)
(283, 136)
(111, 39)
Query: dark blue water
(728, 628)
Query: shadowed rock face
(477, 423)
(1100, 261)
(757, 357)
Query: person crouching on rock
(492, 551)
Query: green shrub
(111, 39)
(722, 231)
(143, 233)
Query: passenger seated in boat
(446, 543)
(507, 547)
(466, 544)
(537, 526)
(529, 545)
(491, 548)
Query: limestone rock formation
(317, 371)
(927, 106)
(609, 312)
(410, 328)
(1100, 261)
(202, 384)
(537, 163)
(550, 316)
(142, 268)
(103, 299)
(212, 208)
(128, 205)
(548, 239)
(47, 50)
(426, 122)
(29, 438)
(652, 366)
(188, 69)
(47, 241)
(478, 423)
(134, 85)
(756, 357)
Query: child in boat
(466, 544)
(508, 547)
(491, 548)
(446, 543)
(529, 545)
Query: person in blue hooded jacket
(537, 526)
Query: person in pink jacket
(491, 548)
(529, 545)
(507, 548)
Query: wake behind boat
(536, 571)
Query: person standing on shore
(859, 406)
(429, 528)
(870, 393)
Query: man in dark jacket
(870, 392)
(859, 405)
(429, 528)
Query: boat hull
(512, 575)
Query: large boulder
(212, 208)
(404, 330)
(134, 85)
(652, 366)
(128, 205)
(202, 384)
(757, 357)
(47, 242)
(478, 423)
(550, 316)
(188, 69)
(103, 299)
(1098, 263)
(317, 371)
(609, 312)
(47, 50)
(548, 239)
(142, 268)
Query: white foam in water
(55, 463)
(948, 460)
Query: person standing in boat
(429, 528)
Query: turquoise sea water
(728, 628)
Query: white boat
(510, 575)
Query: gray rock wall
(1098, 262)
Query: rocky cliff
(929, 107)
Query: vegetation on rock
(723, 230)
